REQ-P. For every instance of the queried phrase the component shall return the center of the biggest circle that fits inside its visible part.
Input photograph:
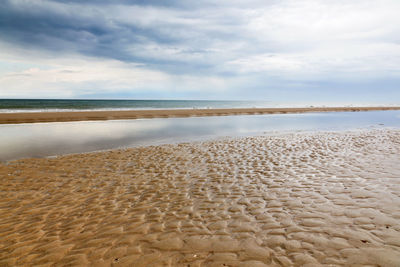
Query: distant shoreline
(36, 117)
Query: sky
(314, 51)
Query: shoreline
(36, 117)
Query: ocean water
(57, 138)
(34, 105)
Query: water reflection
(46, 139)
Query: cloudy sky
(288, 50)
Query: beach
(198, 133)
(32, 117)
(295, 199)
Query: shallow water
(48, 139)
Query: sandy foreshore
(31, 117)
(300, 199)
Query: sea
(43, 105)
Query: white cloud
(67, 78)
(366, 61)
(76, 75)
(312, 38)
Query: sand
(32, 117)
(297, 199)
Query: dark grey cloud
(35, 24)
(169, 3)
(91, 29)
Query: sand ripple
(301, 199)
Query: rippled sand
(302, 199)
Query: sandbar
(32, 117)
(293, 199)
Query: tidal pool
(57, 138)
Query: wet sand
(32, 117)
(298, 199)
